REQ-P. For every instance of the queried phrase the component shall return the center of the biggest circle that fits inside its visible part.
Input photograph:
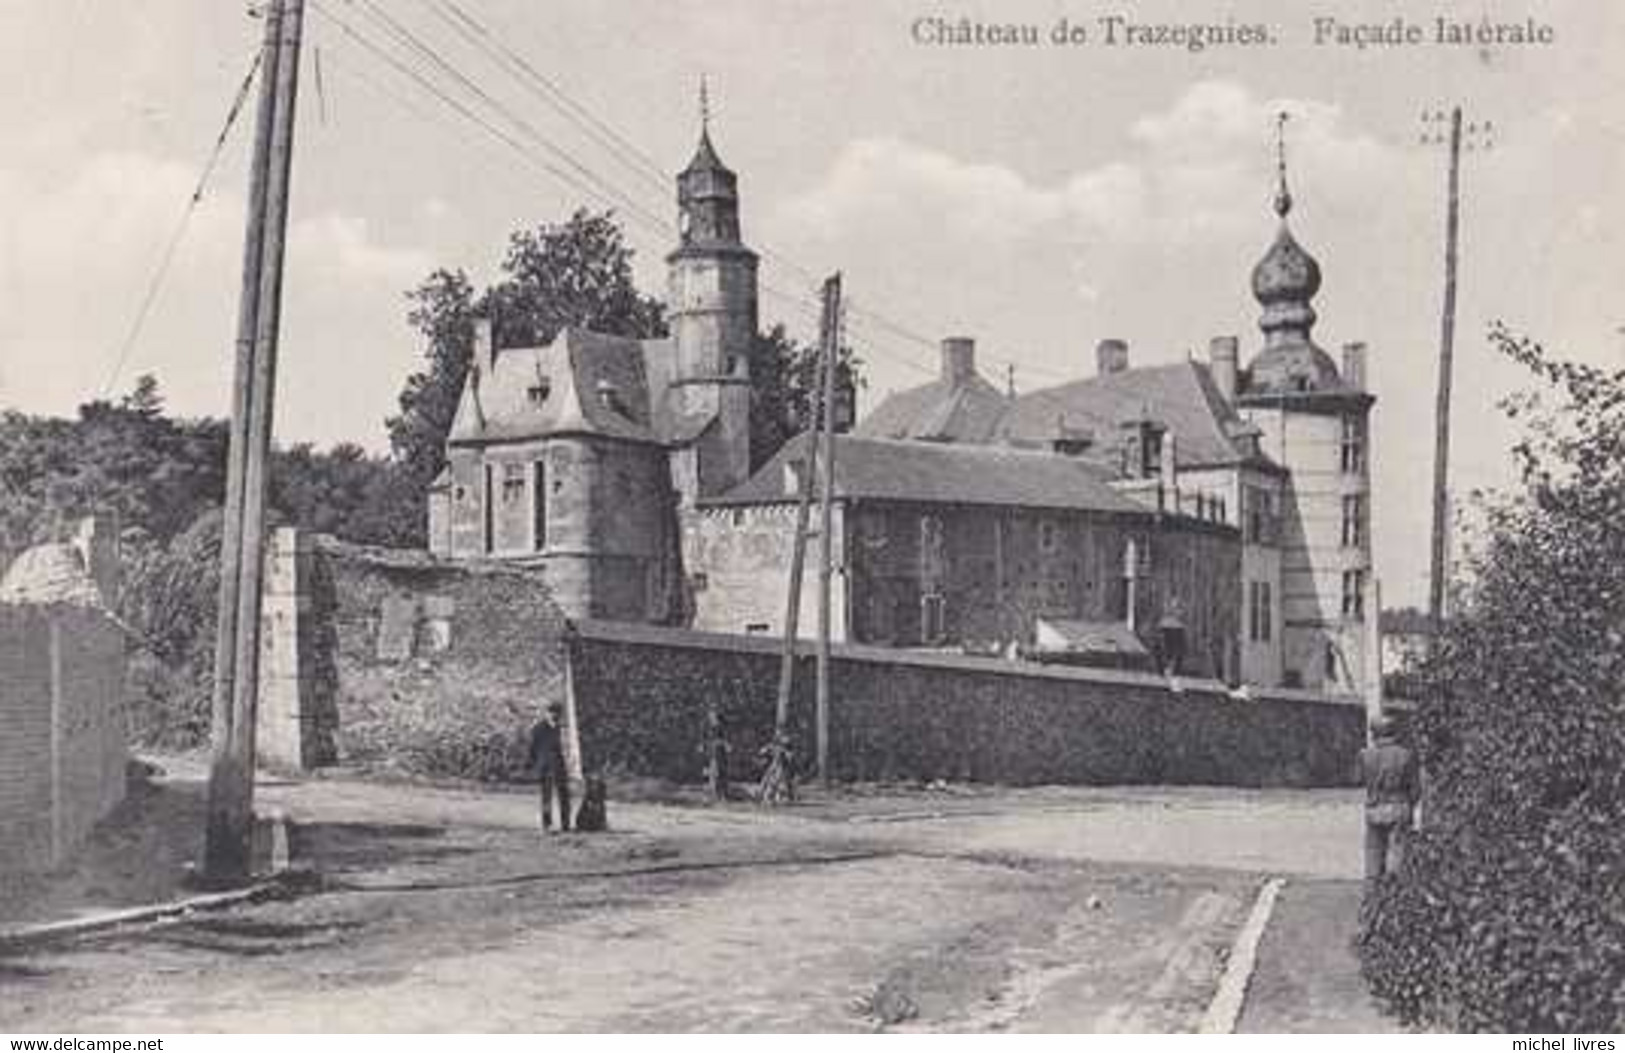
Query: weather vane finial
(705, 105)
(1283, 196)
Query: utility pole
(826, 519)
(777, 783)
(1438, 570)
(229, 823)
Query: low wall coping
(666, 636)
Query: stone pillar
(286, 732)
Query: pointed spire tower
(1312, 421)
(713, 304)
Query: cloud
(76, 258)
(341, 247)
(1186, 170)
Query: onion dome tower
(1312, 419)
(1285, 282)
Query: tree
(156, 474)
(578, 273)
(784, 384)
(1507, 914)
(442, 309)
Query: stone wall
(62, 724)
(397, 658)
(599, 514)
(991, 573)
(640, 695)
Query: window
(795, 474)
(537, 393)
(1260, 516)
(1353, 520)
(1048, 536)
(513, 483)
(538, 496)
(1353, 445)
(1354, 594)
(1260, 615)
(933, 549)
(933, 617)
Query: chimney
(1222, 355)
(1111, 356)
(1167, 469)
(958, 361)
(1354, 365)
(485, 348)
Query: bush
(1510, 913)
(169, 600)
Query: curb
(24, 937)
(1225, 1009)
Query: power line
(415, 43)
(168, 258)
(473, 32)
(476, 33)
(418, 78)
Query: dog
(593, 815)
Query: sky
(1038, 198)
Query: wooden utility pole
(778, 781)
(1438, 569)
(1441, 408)
(826, 518)
(229, 823)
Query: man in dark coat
(1392, 781)
(547, 763)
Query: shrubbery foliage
(1509, 915)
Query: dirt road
(1052, 910)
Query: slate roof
(1182, 397)
(939, 411)
(595, 384)
(924, 472)
(1087, 637)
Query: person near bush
(1389, 771)
(547, 764)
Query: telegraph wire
(467, 26)
(413, 42)
(465, 112)
(874, 323)
(173, 246)
(537, 83)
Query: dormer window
(794, 470)
(610, 396)
(537, 393)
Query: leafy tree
(442, 309)
(1508, 913)
(344, 492)
(578, 273)
(128, 458)
(784, 381)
